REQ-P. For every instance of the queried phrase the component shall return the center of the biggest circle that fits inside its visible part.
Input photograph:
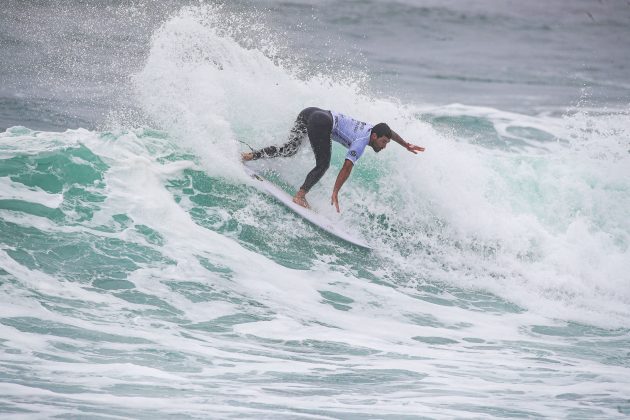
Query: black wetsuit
(317, 124)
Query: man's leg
(319, 128)
(288, 149)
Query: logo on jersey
(358, 125)
(353, 153)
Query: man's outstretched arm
(409, 146)
(344, 173)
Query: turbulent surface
(142, 274)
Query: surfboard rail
(309, 215)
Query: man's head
(380, 136)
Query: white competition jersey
(353, 134)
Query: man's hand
(334, 200)
(344, 173)
(409, 146)
(413, 148)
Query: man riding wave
(321, 126)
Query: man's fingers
(333, 200)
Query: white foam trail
(16, 191)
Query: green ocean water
(223, 301)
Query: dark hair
(382, 129)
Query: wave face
(142, 274)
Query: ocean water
(142, 274)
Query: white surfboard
(311, 216)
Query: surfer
(321, 126)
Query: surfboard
(308, 214)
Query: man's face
(378, 143)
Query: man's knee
(321, 168)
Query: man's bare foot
(302, 202)
(247, 156)
(300, 198)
